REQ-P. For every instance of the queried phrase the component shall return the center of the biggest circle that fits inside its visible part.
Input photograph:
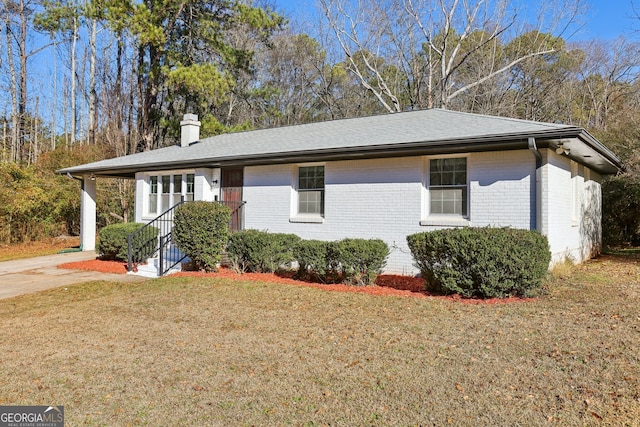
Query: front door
(231, 194)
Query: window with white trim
(190, 179)
(311, 190)
(167, 190)
(153, 194)
(176, 181)
(448, 186)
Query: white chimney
(189, 130)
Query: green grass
(184, 351)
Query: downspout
(538, 223)
(79, 248)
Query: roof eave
(473, 144)
(601, 149)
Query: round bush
(315, 261)
(361, 260)
(201, 231)
(112, 240)
(481, 262)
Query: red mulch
(99, 265)
(386, 284)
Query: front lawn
(41, 248)
(201, 351)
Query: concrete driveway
(29, 275)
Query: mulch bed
(386, 284)
(99, 265)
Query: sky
(605, 19)
(609, 19)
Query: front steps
(151, 268)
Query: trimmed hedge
(201, 231)
(112, 240)
(316, 261)
(260, 251)
(481, 262)
(352, 261)
(361, 260)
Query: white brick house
(381, 177)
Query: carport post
(88, 213)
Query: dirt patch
(386, 284)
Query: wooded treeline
(84, 80)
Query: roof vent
(189, 130)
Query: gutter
(538, 222)
(531, 142)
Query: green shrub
(316, 261)
(112, 241)
(481, 262)
(352, 261)
(201, 231)
(360, 260)
(260, 251)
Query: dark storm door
(231, 193)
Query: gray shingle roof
(416, 132)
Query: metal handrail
(170, 255)
(144, 242)
(156, 237)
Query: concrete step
(152, 266)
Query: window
(311, 190)
(165, 191)
(448, 186)
(153, 194)
(177, 188)
(190, 187)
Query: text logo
(31, 416)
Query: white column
(141, 198)
(88, 214)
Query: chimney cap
(190, 118)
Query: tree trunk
(22, 100)
(74, 111)
(55, 97)
(92, 84)
(15, 144)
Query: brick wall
(574, 209)
(502, 189)
(385, 198)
